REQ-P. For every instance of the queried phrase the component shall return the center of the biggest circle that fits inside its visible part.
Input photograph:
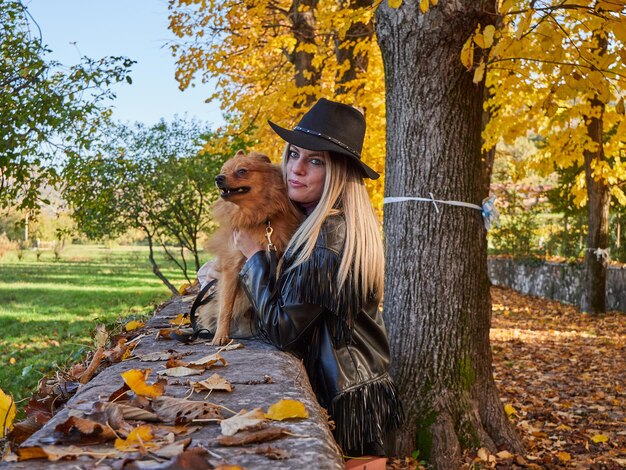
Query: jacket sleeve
(282, 318)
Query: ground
(562, 379)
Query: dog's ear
(240, 153)
(260, 156)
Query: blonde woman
(324, 304)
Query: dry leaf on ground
(208, 361)
(179, 410)
(180, 371)
(242, 420)
(133, 325)
(286, 409)
(139, 439)
(54, 453)
(213, 383)
(268, 433)
(180, 320)
(7, 413)
(136, 380)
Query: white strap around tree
(489, 212)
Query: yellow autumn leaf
(136, 381)
(394, 3)
(424, 5)
(138, 438)
(285, 409)
(598, 438)
(467, 53)
(183, 288)
(479, 73)
(133, 325)
(180, 320)
(564, 456)
(7, 413)
(619, 107)
(488, 34)
(510, 410)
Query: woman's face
(306, 173)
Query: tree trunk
(596, 255)
(302, 18)
(346, 50)
(437, 303)
(599, 198)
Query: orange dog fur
(253, 192)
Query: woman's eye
(316, 161)
(242, 171)
(293, 154)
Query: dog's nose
(219, 179)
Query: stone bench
(311, 446)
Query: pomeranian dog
(253, 199)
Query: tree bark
(599, 197)
(437, 304)
(346, 50)
(303, 27)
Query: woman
(324, 304)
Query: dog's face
(244, 176)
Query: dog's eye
(241, 171)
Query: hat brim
(314, 142)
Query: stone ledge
(314, 446)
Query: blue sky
(137, 29)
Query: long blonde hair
(344, 193)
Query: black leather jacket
(342, 342)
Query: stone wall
(558, 281)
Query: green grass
(49, 309)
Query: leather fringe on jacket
(343, 342)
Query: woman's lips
(296, 184)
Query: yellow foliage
(133, 325)
(252, 65)
(138, 439)
(543, 71)
(136, 381)
(7, 413)
(286, 409)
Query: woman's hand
(245, 243)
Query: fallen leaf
(172, 450)
(208, 361)
(131, 412)
(180, 372)
(101, 336)
(54, 453)
(598, 438)
(179, 410)
(160, 356)
(180, 320)
(504, 454)
(7, 413)
(136, 380)
(246, 437)
(242, 420)
(86, 428)
(564, 456)
(133, 325)
(510, 410)
(286, 409)
(137, 440)
(213, 383)
(231, 347)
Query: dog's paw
(220, 340)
